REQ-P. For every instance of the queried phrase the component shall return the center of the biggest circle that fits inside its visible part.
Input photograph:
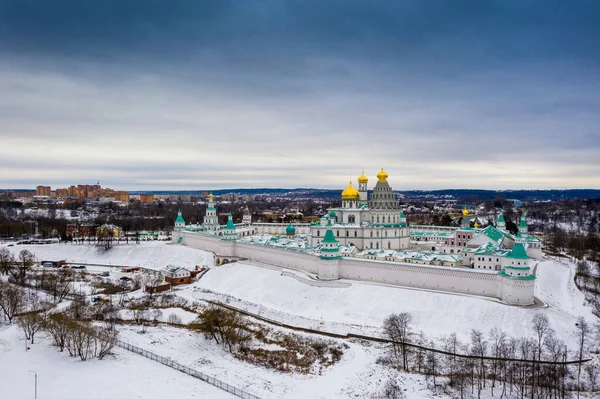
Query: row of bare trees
(225, 326)
(80, 339)
(532, 367)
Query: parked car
(79, 267)
(105, 274)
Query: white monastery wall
(429, 277)
(482, 283)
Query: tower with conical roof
(179, 222)
(329, 259)
(518, 283)
(211, 220)
(229, 231)
(523, 229)
(500, 224)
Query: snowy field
(359, 308)
(364, 304)
(124, 375)
(153, 254)
(356, 375)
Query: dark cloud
(278, 93)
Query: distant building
(122, 196)
(176, 275)
(43, 191)
(61, 192)
(81, 230)
(146, 198)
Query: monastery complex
(368, 238)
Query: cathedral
(365, 221)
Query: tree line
(525, 367)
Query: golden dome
(210, 197)
(476, 225)
(350, 193)
(382, 175)
(465, 212)
(363, 178)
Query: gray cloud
(199, 95)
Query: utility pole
(35, 373)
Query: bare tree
(6, 260)
(31, 323)
(156, 316)
(174, 319)
(582, 333)
(397, 328)
(11, 300)
(106, 340)
(21, 266)
(224, 326)
(58, 326)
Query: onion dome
(363, 178)
(465, 212)
(476, 225)
(290, 230)
(382, 175)
(350, 193)
(210, 197)
(332, 214)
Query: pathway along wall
(482, 283)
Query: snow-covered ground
(356, 375)
(360, 308)
(365, 304)
(152, 254)
(126, 375)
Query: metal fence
(189, 371)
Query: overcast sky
(221, 94)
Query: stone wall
(473, 282)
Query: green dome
(290, 230)
(179, 218)
(332, 214)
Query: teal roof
(402, 215)
(329, 222)
(518, 252)
(230, 225)
(179, 218)
(332, 214)
(493, 234)
(290, 229)
(527, 277)
(500, 218)
(329, 238)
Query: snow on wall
(483, 283)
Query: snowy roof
(518, 252)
